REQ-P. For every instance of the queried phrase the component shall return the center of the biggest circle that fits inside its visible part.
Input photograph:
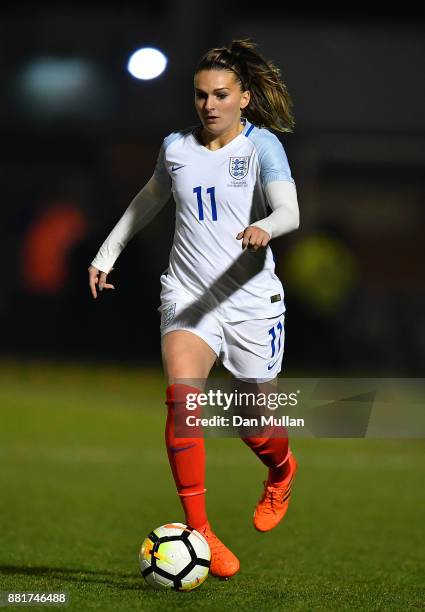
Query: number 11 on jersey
(211, 192)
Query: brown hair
(270, 104)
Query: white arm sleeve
(142, 209)
(282, 198)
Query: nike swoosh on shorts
(269, 367)
(174, 168)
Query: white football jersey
(217, 195)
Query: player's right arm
(142, 209)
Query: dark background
(73, 157)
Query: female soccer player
(220, 295)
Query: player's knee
(185, 365)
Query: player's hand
(96, 277)
(254, 238)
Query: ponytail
(270, 104)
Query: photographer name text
(239, 421)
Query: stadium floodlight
(147, 63)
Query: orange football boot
(274, 502)
(223, 562)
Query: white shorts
(250, 350)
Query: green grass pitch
(84, 478)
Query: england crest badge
(238, 167)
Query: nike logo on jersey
(174, 168)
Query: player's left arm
(285, 216)
(279, 189)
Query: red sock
(273, 452)
(186, 455)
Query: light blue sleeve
(272, 158)
(160, 172)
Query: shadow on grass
(121, 580)
(124, 581)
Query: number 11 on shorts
(272, 333)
